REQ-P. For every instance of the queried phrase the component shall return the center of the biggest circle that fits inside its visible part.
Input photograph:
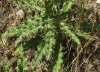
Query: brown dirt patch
(89, 58)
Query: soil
(12, 15)
(89, 59)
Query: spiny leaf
(45, 48)
(39, 54)
(58, 59)
(19, 50)
(66, 30)
(10, 32)
(83, 34)
(50, 41)
(67, 6)
(21, 63)
(23, 30)
(26, 33)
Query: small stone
(98, 1)
(20, 14)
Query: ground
(89, 60)
(12, 15)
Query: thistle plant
(47, 27)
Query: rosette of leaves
(46, 28)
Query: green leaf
(58, 59)
(67, 6)
(66, 30)
(83, 34)
(19, 50)
(39, 54)
(50, 41)
(88, 25)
